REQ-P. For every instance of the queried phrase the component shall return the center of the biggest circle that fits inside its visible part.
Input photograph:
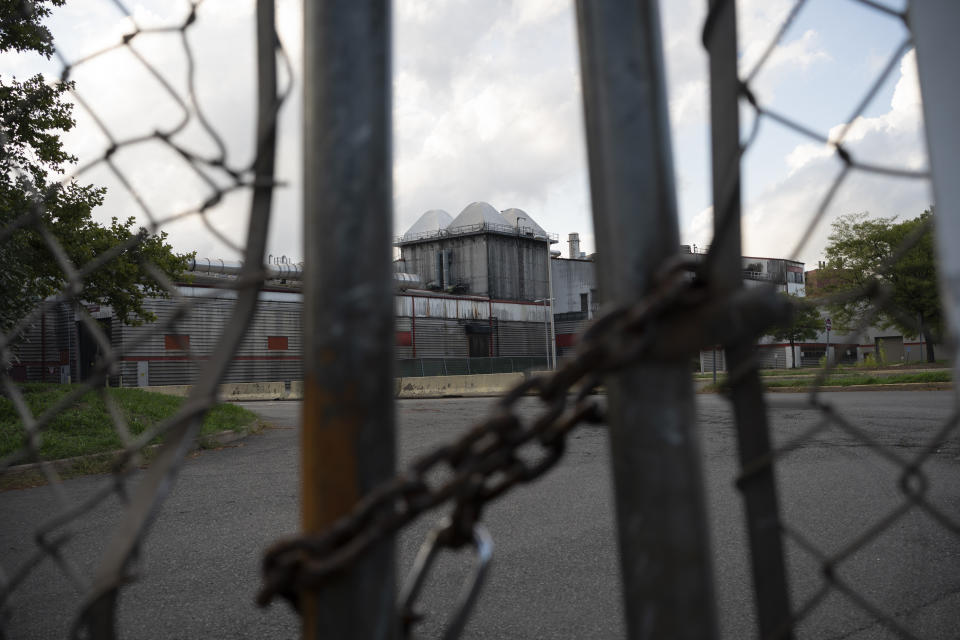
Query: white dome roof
(526, 222)
(430, 222)
(478, 213)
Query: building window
(584, 302)
(277, 343)
(176, 342)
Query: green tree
(863, 251)
(33, 116)
(805, 324)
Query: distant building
(785, 275)
(482, 252)
(575, 295)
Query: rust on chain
(673, 321)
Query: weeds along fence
(661, 311)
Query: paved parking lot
(555, 565)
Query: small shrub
(881, 353)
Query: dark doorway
(89, 350)
(478, 340)
(479, 344)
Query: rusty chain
(484, 463)
(491, 458)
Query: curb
(62, 465)
(898, 386)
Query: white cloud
(487, 106)
(777, 218)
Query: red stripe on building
(566, 339)
(188, 358)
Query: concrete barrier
(296, 390)
(487, 384)
(181, 390)
(479, 385)
(232, 391)
(253, 391)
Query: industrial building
(482, 252)
(471, 296)
(479, 292)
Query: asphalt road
(555, 569)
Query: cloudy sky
(487, 106)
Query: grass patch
(848, 380)
(765, 373)
(86, 427)
(838, 370)
(851, 380)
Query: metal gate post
(725, 277)
(934, 23)
(347, 441)
(661, 520)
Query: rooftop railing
(480, 227)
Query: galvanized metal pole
(725, 277)
(348, 439)
(661, 520)
(934, 24)
(546, 334)
(553, 327)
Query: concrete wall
(517, 267)
(235, 391)
(501, 266)
(421, 387)
(444, 386)
(571, 278)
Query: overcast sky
(487, 106)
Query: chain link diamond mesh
(818, 567)
(222, 174)
(652, 329)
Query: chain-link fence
(822, 567)
(70, 271)
(663, 310)
(418, 367)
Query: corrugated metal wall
(51, 332)
(707, 357)
(278, 315)
(403, 325)
(440, 329)
(517, 267)
(570, 279)
(772, 357)
(568, 328)
(521, 339)
(437, 337)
